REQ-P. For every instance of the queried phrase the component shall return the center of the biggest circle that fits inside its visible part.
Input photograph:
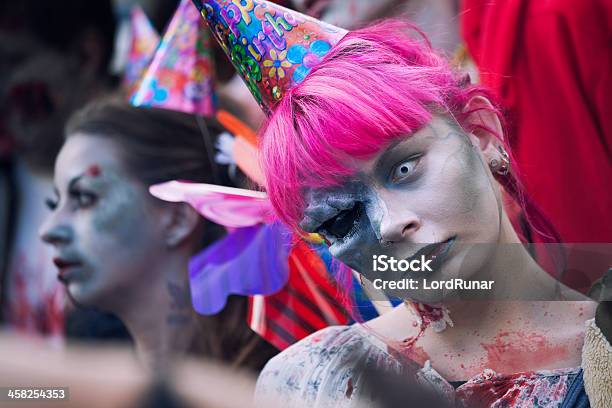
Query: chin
(81, 297)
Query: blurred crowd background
(56, 57)
(549, 62)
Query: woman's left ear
(486, 129)
(182, 222)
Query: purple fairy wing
(249, 261)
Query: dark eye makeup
(405, 169)
(83, 199)
(343, 224)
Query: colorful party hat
(180, 76)
(273, 48)
(143, 43)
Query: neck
(159, 314)
(524, 294)
(516, 275)
(522, 288)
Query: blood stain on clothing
(349, 388)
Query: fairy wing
(227, 206)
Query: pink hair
(377, 84)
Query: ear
(486, 131)
(181, 223)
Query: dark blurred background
(549, 63)
(54, 58)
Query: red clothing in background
(550, 63)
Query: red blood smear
(512, 352)
(407, 348)
(349, 388)
(417, 354)
(93, 171)
(429, 314)
(503, 391)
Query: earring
(501, 166)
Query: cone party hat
(180, 76)
(143, 43)
(273, 48)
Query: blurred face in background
(104, 224)
(51, 63)
(36, 101)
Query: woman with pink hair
(383, 149)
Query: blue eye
(404, 169)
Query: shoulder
(322, 369)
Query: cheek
(118, 236)
(358, 253)
(455, 193)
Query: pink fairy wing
(227, 206)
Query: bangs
(376, 85)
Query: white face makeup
(428, 194)
(100, 223)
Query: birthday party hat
(180, 76)
(273, 48)
(143, 43)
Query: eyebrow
(75, 180)
(71, 184)
(384, 159)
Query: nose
(396, 226)
(55, 233)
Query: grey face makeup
(100, 225)
(424, 195)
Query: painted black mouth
(437, 253)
